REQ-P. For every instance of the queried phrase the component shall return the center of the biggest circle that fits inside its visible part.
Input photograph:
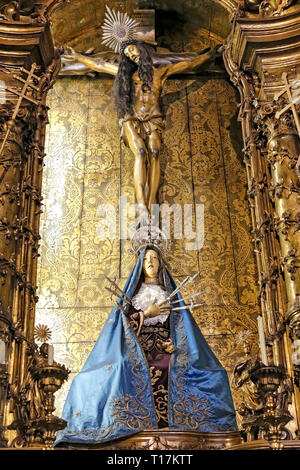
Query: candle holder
(275, 416)
(251, 405)
(34, 400)
(49, 379)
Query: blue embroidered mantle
(112, 396)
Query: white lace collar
(145, 297)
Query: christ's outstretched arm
(99, 65)
(189, 65)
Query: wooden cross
(293, 99)
(22, 95)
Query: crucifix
(140, 74)
(21, 95)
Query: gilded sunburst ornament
(117, 27)
(243, 337)
(42, 333)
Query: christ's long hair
(123, 90)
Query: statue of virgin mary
(150, 368)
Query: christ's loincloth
(145, 127)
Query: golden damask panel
(236, 182)
(215, 258)
(86, 167)
(63, 178)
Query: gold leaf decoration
(42, 333)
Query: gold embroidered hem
(160, 397)
(161, 405)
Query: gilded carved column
(262, 50)
(283, 152)
(28, 67)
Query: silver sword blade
(187, 307)
(117, 287)
(117, 295)
(189, 297)
(185, 282)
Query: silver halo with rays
(148, 235)
(117, 28)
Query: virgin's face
(133, 53)
(151, 263)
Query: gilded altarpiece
(86, 166)
(202, 163)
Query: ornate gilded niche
(202, 164)
(86, 166)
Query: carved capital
(265, 43)
(279, 131)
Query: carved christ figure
(140, 77)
